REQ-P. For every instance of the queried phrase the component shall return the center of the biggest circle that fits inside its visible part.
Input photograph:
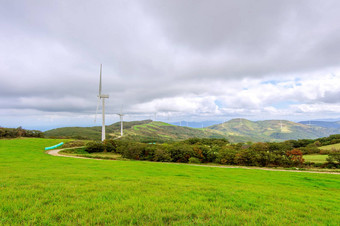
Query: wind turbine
(101, 97)
(121, 121)
(281, 124)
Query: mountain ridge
(235, 130)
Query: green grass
(36, 188)
(315, 158)
(330, 147)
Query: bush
(180, 152)
(132, 151)
(226, 156)
(162, 156)
(310, 149)
(75, 151)
(295, 156)
(74, 143)
(194, 160)
(334, 157)
(246, 157)
(95, 147)
(110, 145)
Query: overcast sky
(184, 59)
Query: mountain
(145, 131)
(235, 130)
(325, 124)
(270, 130)
(193, 124)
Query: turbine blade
(98, 102)
(100, 81)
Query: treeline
(19, 132)
(195, 150)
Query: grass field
(315, 158)
(330, 147)
(36, 188)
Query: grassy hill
(39, 189)
(145, 131)
(236, 130)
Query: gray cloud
(159, 50)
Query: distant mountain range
(325, 124)
(235, 130)
(195, 124)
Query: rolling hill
(236, 130)
(145, 131)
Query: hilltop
(235, 130)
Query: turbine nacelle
(103, 96)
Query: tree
(296, 156)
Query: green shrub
(92, 147)
(110, 145)
(334, 157)
(161, 155)
(75, 151)
(310, 149)
(74, 143)
(226, 156)
(181, 152)
(134, 151)
(194, 160)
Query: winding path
(56, 153)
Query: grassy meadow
(36, 188)
(315, 158)
(330, 147)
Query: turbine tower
(121, 121)
(101, 97)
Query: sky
(190, 60)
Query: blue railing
(55, 146)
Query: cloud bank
(185, 60)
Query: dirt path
(56, 153)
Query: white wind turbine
(101, 97)
(121, 121)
